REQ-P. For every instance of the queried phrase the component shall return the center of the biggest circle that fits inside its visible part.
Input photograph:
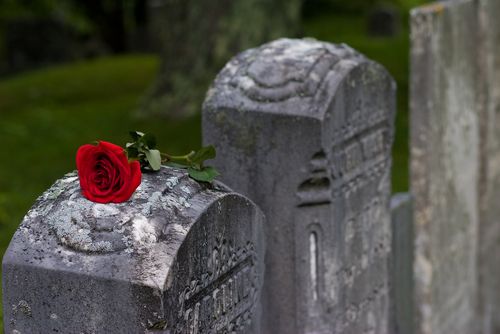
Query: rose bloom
(105, 173)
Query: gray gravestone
(304, 128)
(445, 165)
(489, 190)
(384, 21)
(402, 263)
(179, 257)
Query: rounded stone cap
(294, 77)
(164, 260)
(139, 238)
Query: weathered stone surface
(402, 263)
(445, 165)
(179, 257)
(304, 128)
(489, 185)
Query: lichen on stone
(84, 226)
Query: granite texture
(445, 165)
(488, 62)
(403, 308)
(178, 257)
(304, 128)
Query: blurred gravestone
(304, 128)
(489, 190)
(445, 165)
(402, 263)
(197, 37)
(179, 257)
(383, 22)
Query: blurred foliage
(202, 35)
(68, 30)
(16, 15)
(315, 7)
(64, 11)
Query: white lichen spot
(246, 83)
(104, 210)
(53, 316)
(154, 202)
(176, 202)
(185, 189)
(184, 202)
(172, 182)
(143, 231)
(69, 179)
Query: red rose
(105, 173)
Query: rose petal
(106, 174)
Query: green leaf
(204, 153)
(149, 140)
(136, 135)
(132, 152)
(206, 174)
(176, 165)
(154, 159)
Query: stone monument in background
(455, 169)
(305, 128)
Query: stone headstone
(445, 165)
(402, 263)
(179, 257)
(304, 128)
(489, 182)
(384, 21)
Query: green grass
(393, 53)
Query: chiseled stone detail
(304, 128)
(284, 69)
(179, 256)
(103, 228)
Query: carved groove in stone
(316, 190)
(83, 226)
(285, 69)
(226, 295)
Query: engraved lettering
(353, 157)
(223, 299)
(373, 144)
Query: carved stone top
(162, 261)
(136, 240)
(277, 75)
